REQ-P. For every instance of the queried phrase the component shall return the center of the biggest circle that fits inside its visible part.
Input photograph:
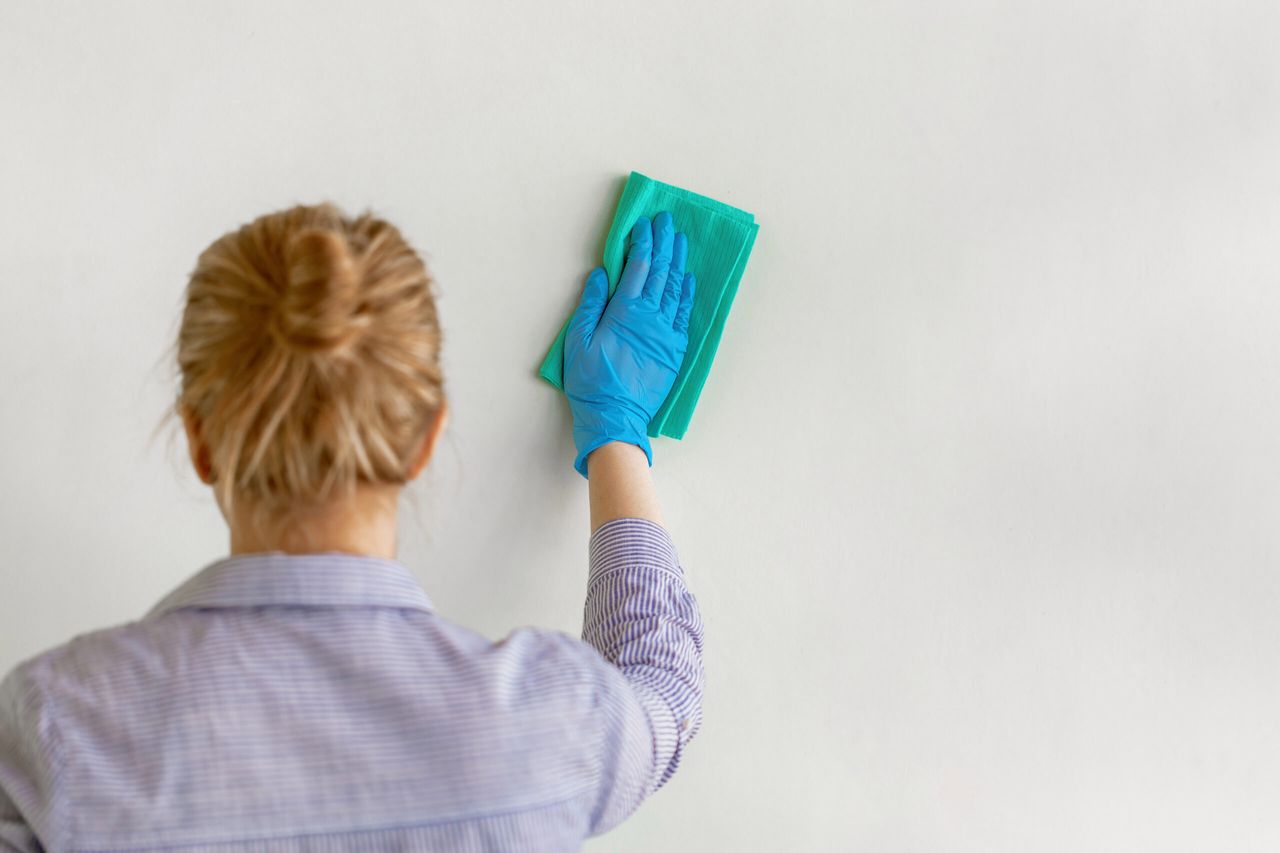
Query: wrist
(625, 451)
(609, 446)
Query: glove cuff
(588, 436)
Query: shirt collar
(328, 579)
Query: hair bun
(322, 287)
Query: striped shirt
(291, 702)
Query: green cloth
(720, 240)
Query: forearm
(639, 614)
(621, 484)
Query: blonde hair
(309, 350)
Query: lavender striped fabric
(317, 702)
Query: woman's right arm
(622, 354)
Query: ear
(196, 446)
(429, 440)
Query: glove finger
(636, 268)
(595, 293)
(681, 324)
(675, 277)
(664, 232)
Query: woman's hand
(622, 353)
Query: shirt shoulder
(550, 666)
(89, 657)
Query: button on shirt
(290, 702)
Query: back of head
(309, 351)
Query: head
(311, 389)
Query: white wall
(980, 501)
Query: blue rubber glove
(622, 353)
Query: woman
(302, 693)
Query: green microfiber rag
(720, 240)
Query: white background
(980, 500)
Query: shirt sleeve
(641, 618)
